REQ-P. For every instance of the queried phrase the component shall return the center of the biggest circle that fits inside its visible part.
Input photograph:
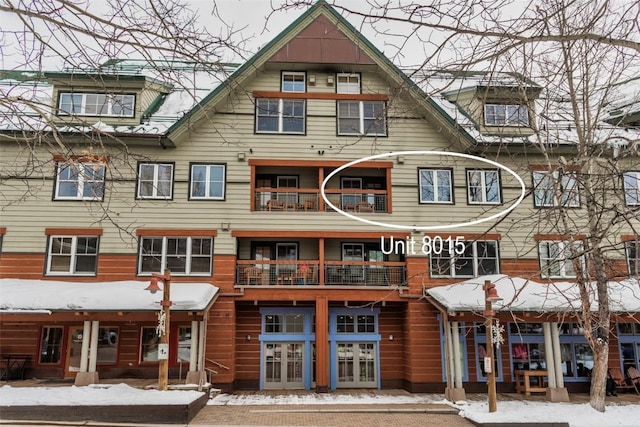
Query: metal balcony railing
(310, 200)
(336, 273)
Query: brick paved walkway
(398, 415)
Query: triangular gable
(322, 13)
(322, 42)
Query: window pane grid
(556, 259)
(72, 255)
(155, 181)
(361, 118)
(483, 186)
(506, 114)
(631, 183)
(479, 258)
(82, 181)
(544, 184)
(96, 104)
(280, 116)
(181, 255)
(435, 186)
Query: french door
(357, 365)
(283, 365)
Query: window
(629, 342)
(556, 259)
(349, 324)
(293, 81)
(207, 182)
(182, 255)
(280, 115)
(479, 258)
(107, 345)
(506, 115)
(632, 248)
(480, 332)
(527, 346)
(96, 104)
(361, 118)
(72, 255)
(435, 186)
(80, 181)
(348, 83)
(155, 181)
(149, 345)
(632, 188)
(292, 323)
(50, 345)
(184, 344)
(483, 186)
(544, 189)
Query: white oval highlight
(429, 227)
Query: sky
(577, 415)
(255, 28)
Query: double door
(283, 365)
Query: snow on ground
(577, 415)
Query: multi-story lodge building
(309, 218)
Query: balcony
(310, 200)
(336, 273)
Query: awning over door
(48, 296)
(523, 295)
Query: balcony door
(353, 252)
(351, 200)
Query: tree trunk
(599, 377)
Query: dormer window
(96, 104)
(506, 115)
(348, 83)
(293, 81)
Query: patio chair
(253, 274)
(634, 378)
(276, 205)
(620, 380)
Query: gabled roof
(304, 29)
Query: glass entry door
(283, 365)
(74, 351)
(357, 365)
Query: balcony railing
(336, 273)
(310, 200)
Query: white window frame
(72, 254)
(449, 255)
(208, 181)
(79, 103)
(632, 254)
(544, 183)
(348, 83)
(155, 181)
(482, 186)
(506, 114)
(81, 181)
(631, 184)
(434, 179)
(363, 129)
(293, 78)
(281, 116)
(565, 265)
(163, 255)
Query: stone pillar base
(86, 378)
(196, 377)
(455, 394)
(322, 389)
(557, 394)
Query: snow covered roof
(31, 94)
(523, 295)
(555, 123)
(44, 296)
